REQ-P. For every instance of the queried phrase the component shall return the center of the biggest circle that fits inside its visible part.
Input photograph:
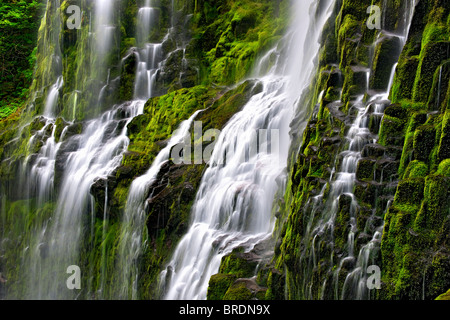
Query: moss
(444, 168)
(365, 169)
(416, 169)
(342, 223)
(219, 285)
(237, 263)
(410, 191)
(228, 36)
(444, 142)
(431, 56)
(436, 197)
(402, 87)
(238, 291)
(355, 83)
(348, 32)
(424, 140)
(444, 296)
(392, 131)
(385, 56)
(276, 284)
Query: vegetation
(19, 21)
(402, 180)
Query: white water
(93, 154)
(133, 222)
(52, 98)
(133, 230)
(98, 153)
(41, 176)
(149, 54)
(234, 201)
(320, 227)
(104, 27)
(53, 38)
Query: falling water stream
(233, 205)
(88, 156)
(321, 220)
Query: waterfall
(52, 49)
(324, 207)
(233, 205)
(133, 224)
(148, 55)
(133, 231)
(68, 161)
(356, 280)
(63, 200)
(98, 153)
(83, 158)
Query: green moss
(431, 56)
(444, 168)
(346, 44)
(238, 291)
(219, 285)
(402, 87)
(385, 56)
(342, 223)
(444, 296)
(392, 131)
(365, 169)
(228, 44)
(237, 263)
(424, 140)
(444, 142)
(410, 191)
(416, 169)
(275, 283)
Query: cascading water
(80, 160)
(149, 54)
(324, 207)
(133, 231)
(133, 224)
(98, 152)
(54, 78)
(233, 205)
(103, 33)
(69, 161)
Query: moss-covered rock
(433, 53)
(386, 54)
(238, 263)
(444, 296)
(218, 286)
(238, 291)
(229, 36)
(365, 169)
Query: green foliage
(229, 35)
(19, 21)
(444, 296)
(218, 285)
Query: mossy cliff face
(401, 184)
(18, 25)
(170, 197)
(401, 181)
(415, 243)
(230, 35)
(71, 54)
